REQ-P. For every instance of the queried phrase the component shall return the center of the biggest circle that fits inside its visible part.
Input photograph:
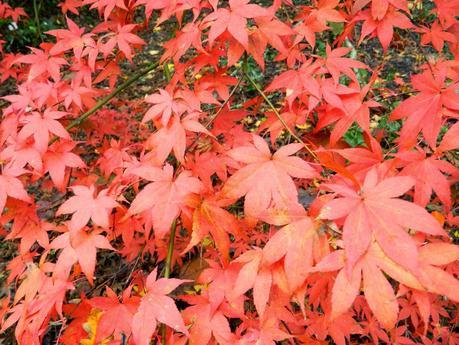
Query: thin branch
(279, 116)
(109, 97)
(167, 269)
(214, 116)
(37, 20)
(170, 250)
(384, 97)
(133, 269)
(295, 341)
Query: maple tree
(230, 193)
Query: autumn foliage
(293, 235)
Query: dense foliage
(310, 206)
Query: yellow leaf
(90, 326)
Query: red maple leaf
(40, 125)
(85, 207)
(336, 64)
(173, 137)
(234, 20)
(437, 36)
(424, 112)
(26, 226)
(156, 307)
(253, 274)
(57, 158)
(294, 243)
(43, 62)
(123, 38)
(74, 39)
(116, 319)
(210, 218)
(428, 173)
(266, 178)
(11, 186)
(164, 197)
(375, 211)
(205, 321)
(164, 106)
(106, 6)
(80, 247)
(383, 28)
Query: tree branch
(37, 20)
(170, 250)
(109, 97)
(167, 268)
